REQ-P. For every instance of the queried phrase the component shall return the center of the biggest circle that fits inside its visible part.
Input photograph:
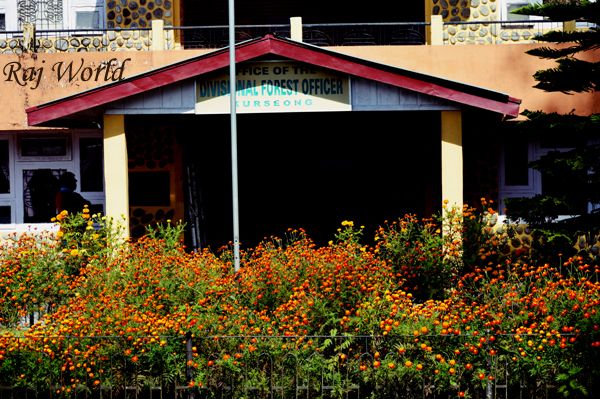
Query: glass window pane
(2, 21)
(516, 170)
(4, 170)
(5, 214)
(87, 20)
(568, 187)
(44, 147)
(90, 164)
(39, 194)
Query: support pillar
(116, 171)
(452, 158)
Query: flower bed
(428, 309)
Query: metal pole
(234, 165)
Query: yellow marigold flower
(74, 252)
(348, 223)
(85, 209)
(60, 233)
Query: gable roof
(270, 45)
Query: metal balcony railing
(334, 34)
(217, 36)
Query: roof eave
(271, 45)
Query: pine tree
(578, 170)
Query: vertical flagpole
(234, 165)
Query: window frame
(508, 19)
(535, 152)
(14, 199)
(8, 199)
(44, 158)
(68, 13)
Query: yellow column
(116, 171)
(452, 158)
(177, 21)
(428, 12)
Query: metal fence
(333, 34)
(216, 36)
(241, 367)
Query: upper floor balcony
(161, 37)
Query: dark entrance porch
(309, 171)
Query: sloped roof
(275, 46)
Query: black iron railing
(251, 367)
(335, 34)
(217, 36)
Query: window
(6, 207)
(511, 5)
(53, 14)
(85, 14)
(90, 164)
(5, 214)
(516, 161)
(4, 167)
(87, 20)
(44, 148)
(518, 180)
(44, 14)
(2, 21)
(30, 166)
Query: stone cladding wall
(138, 13)
(489, 31)
(129, 40)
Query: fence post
(189, 356)
(28, 36)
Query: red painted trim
(388, 77)
(269, 44)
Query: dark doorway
(312, 171)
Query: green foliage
(577, 170)
(169, 233)
(298, 318)
(430, 254)
(563, 10)
(571, 74)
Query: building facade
(366, 120)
